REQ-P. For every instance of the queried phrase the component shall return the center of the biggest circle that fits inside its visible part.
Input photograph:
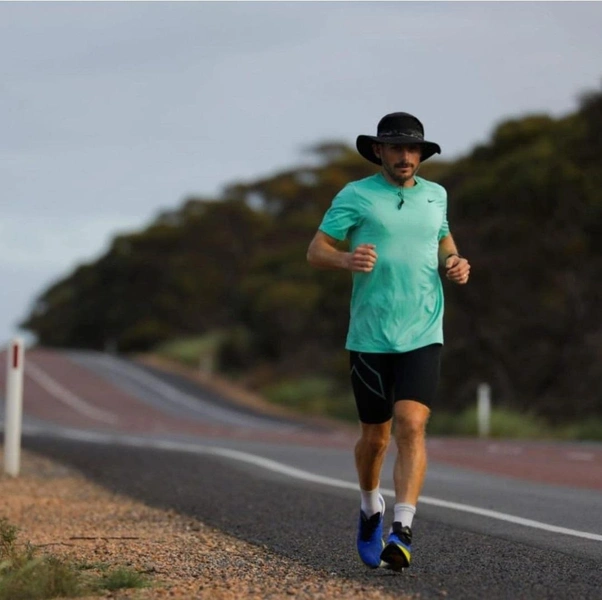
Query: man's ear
(376, 149)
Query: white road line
(66, 397)
(173, 395)
(277, 467)
(494, 514)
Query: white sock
(404, 514)
(371, 502)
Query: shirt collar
(384, 181)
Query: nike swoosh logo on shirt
(431, 200)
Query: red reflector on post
(15, 356)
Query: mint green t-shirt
(397, 307)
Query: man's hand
(457, 269)
(362, 259)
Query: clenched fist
(362, 259)
(457, 269)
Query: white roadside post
(484, 409)
(14, 407)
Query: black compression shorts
(380, 380)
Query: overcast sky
(113, 112)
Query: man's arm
(457, 268)
(324, 254)
(447, 246)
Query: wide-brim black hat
(396, 128)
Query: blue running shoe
(397, 554)
(370, 537)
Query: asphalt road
(291, 487)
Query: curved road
(496, 519)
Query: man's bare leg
(410, 437)
(409, 429)
(370, 451)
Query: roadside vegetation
(28, 574)
(511, 424)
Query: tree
(525, 207)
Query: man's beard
(396, 177)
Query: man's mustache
(402, 164)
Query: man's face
(400, 161)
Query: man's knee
(410, 419)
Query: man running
(396, 224)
